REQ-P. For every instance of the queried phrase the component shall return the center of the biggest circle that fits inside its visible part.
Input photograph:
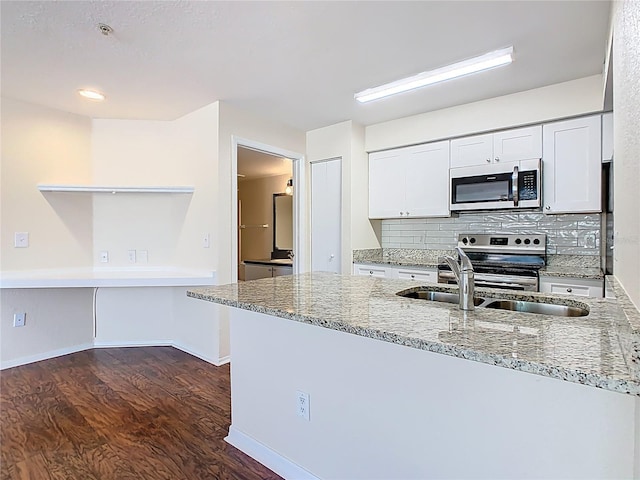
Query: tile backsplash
(568, 234)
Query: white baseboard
(222, 361)
(137, 343)
(267, 457)
(45, 355)
(196, 354)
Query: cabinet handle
(370, 272)
(401, 214)
(413, 276)
(569, 290)
(497, 159)
(547, 207)
(406, 213)
(488, 160)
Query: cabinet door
(518, 144)
(607, 137)
(572, 166)
(386, 184)
(282, 270)
(427, 180)
(255, 272)
(470, 151)
(583, 287)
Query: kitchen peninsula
(409, 388)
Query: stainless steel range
(508, 261)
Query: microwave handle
(514, 186)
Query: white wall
(59, 321)
(346, 140)
(576, 97)
(626, 118)
(169, 227)
(41, 145)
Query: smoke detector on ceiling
(105, 29)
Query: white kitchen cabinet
(371, 270)
(410, 182)
(505, 146)
(607, 137)
(584, 287)
(572, 166)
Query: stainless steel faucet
(465, 277)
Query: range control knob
(464, 240)
(536, 241)
(527, 241)
(472, 240)
(518, 241)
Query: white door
(326, 217)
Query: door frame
(300, 227)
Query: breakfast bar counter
(397, 387)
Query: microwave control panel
(528, 185)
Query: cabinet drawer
(370, 271)
(422, 275)
(572, 286)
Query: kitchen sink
(542, 308)
(538, 307)
(437, 296)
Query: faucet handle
(465, 261)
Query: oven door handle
(514, 186)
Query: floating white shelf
(113, 189)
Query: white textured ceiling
(296, 62)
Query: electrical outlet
(19, 319)
(104, 256)
(302, 405)
(143, 256)
(131, 255)
(21, 240)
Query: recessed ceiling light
(91, 94)
(489, 60)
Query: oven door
(491, 280)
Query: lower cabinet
(584, 287)
(429, 275)
(254, 271)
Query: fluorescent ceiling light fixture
(91, 94)
(493, 59)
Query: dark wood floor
(123, 413)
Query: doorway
(267, 202)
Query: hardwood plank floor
(121, 413)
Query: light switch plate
(143, 256)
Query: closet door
(326, 215)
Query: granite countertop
(271, 261)
(600, 350)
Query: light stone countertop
(599, 350)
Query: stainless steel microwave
(508, 185)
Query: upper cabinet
(507, 146)
(410, 182)
(572, 165)
(607, 137)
